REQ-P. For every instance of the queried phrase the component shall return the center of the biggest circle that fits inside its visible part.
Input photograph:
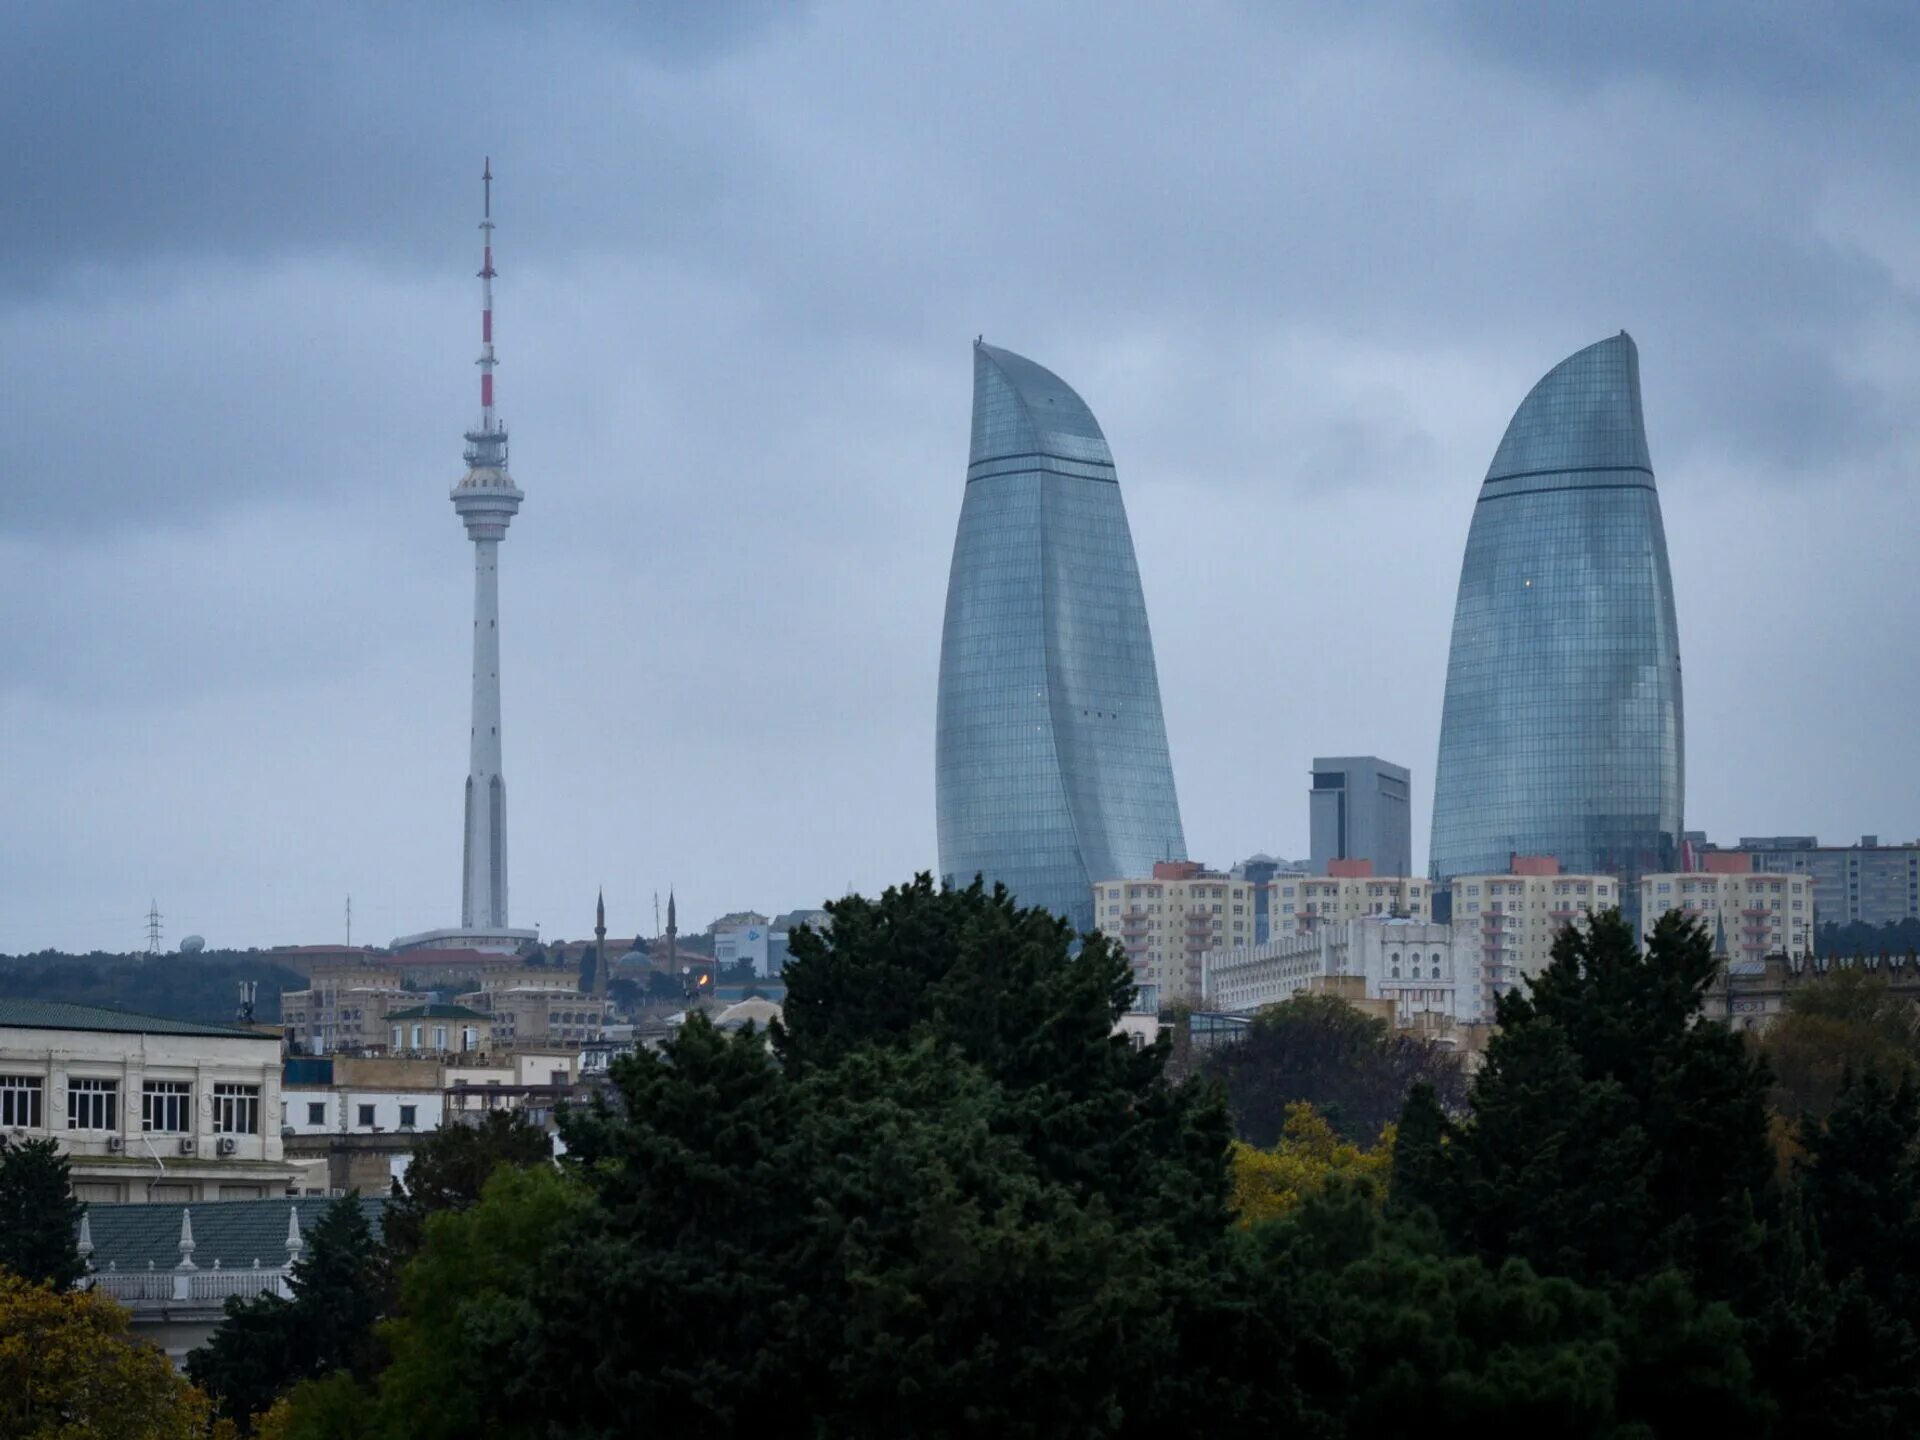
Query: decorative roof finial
(186, 1240)
(294, 1243)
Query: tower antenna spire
(488, 425)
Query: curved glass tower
(1562, 729)
(1051, 768)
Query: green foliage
(1406, 1339)
(1006, 989)
(1351, 1067)
(181, 987)
(466, 1303)
(265, 1345)
(451, 1166)
(864, 1235)
(1860, 1188)
(1849, 1020)
(1612, 1135)
(948, 1201)
(39, 1218)
(1856, 937)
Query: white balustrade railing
(185, 1287)
(133, 1284)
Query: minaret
(600, 947)
(486, 500)
(673, 937)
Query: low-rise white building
(145, 1108)
(1417, 966)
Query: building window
(236, 1109)
(20, 1101)
(408, 1114)
(93, 1105)
(316, 1112)
(439, 1037)
(166, 1106)
(366, 1114)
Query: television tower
(486, 501)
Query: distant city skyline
(1304, 272)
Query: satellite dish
(193, 944)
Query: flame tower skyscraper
(486, 500)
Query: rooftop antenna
(249, 989)
(153, 928)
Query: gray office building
(1868, 883)
(1361, 808)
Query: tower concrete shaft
(486, 501)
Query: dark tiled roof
(63, 1015)
(436, 1012)
(234, 1232)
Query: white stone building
(145, 1108)
(1417, 966)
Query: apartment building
(1348, 891)
(1168, 921)
(540, 1015)
(1868, 883)
(1517, 917)
(1750, 914)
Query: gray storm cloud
(1303, 264)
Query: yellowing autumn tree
(68, 1371)
(1270, 1183)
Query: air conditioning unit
(227, 1145)
(186, 1145)
(115, 1144)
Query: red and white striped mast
(487, 361)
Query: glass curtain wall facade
(1051, 768)
(1562, 730)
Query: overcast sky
(1303, 262)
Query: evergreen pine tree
(39, 1218)
(266, 1345)
(1613, 1131)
